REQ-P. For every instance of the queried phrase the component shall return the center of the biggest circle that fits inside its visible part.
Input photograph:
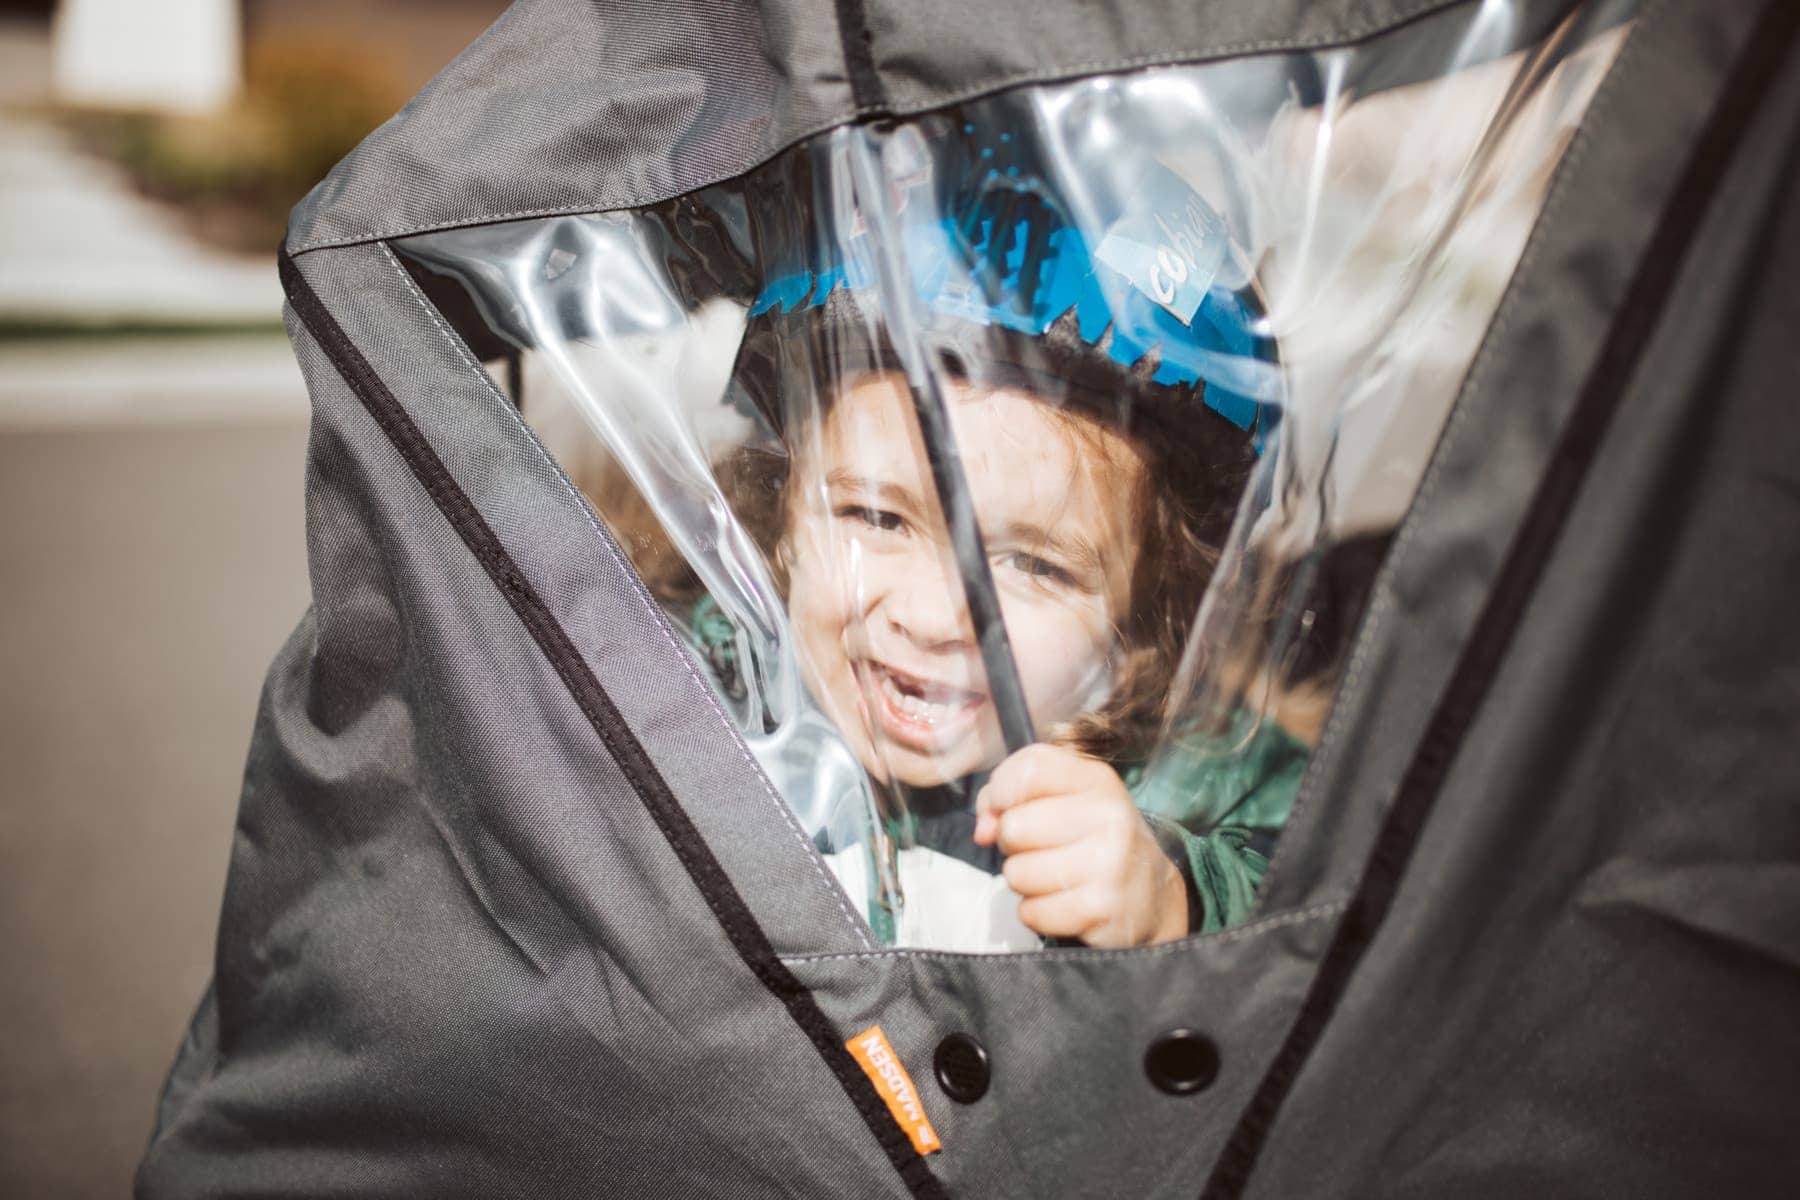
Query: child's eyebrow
(1076, 550)
(895, 493)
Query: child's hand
(1078, 851)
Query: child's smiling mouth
(920, 713)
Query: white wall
(169, 55)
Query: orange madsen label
(882, 1065)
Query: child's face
(877, 604)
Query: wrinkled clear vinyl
(1015, 473)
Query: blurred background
(152, 434)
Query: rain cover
(1042, 493)
(1015, 473)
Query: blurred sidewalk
(77, 245)
(151, 522)
(138, 382)
(82, 253)
(151, 573)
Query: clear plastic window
(1016, 473)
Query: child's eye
(874, 518)
(1040, 568)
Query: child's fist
(1078, 851)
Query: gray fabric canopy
(512, 911)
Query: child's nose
(926, 607)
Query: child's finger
(1035, 771)
(987, 827)
(1051, 821)
(1058, 869)
(1013, 782)
(1065, 914)
(1021, 777)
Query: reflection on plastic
(1016, 473)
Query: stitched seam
(1365, 31)
(708, 876)
(1382, 600)
(635, 582)
(1241, 933)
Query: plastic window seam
(1369, 30)
(1373, 625)
(1236, 933)
(608, 543)
(708, 875)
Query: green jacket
(1218, 804)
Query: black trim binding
(1659, 265)
(740, 925)
(866, 90)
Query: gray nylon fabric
(459, 959)
(452, 938)
(573, 564)
(1071, 1111)
(1610, 189)
(570, 106)
(930, 52)
(1589, 983)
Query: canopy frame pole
(980, 594)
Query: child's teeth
(916, 707)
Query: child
(1103, 497)
(887, 649)
(1103, 489)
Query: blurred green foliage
(306, 103)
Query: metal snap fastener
(962, 1068)
(1182, 1061)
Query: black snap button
(961, 1064)
(1182, 1061)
